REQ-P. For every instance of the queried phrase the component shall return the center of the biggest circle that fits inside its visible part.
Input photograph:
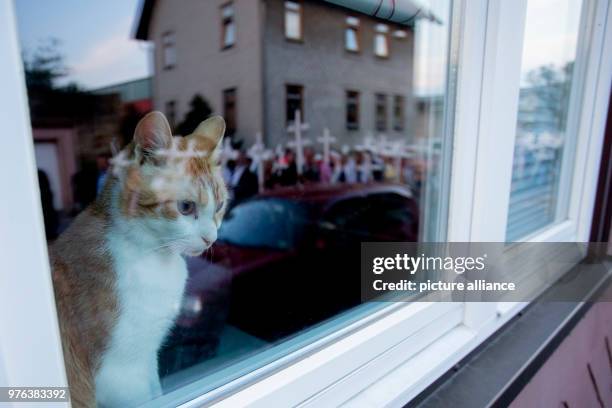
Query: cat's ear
(211, 129)
(153, 132)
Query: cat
(119, 270)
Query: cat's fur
(119, 272)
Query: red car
(286, 260)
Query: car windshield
(264, 223)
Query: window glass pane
(398, 112)
(229, 111)
(229, 27)
(352, 110)
(203, 258)
(381, 112)
(230, 34)
(293, 103)
(543, 156)
(293, 20)
(381, 46)
(169, 50)
(351, 42)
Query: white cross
(298, 143)
(385, 148)
(259, 154)
(175, 153)
(327, 139)
(368, 145)
(227, 152)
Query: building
(257, 62)
(135, 93)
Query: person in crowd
(311, 168)
(49, 213)
(346, 170)
(243, 182)
(325, 169)
(288, 172)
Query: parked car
(286, 260)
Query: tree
(44, 66)
(549, 88)
(200, 110)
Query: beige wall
(262, 62)
(326, 71)
(201, 65)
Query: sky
(95, 38)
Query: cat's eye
(187, 207)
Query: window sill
(451, 366)
(405, 327)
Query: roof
(404, 12)
(129, 91)
(145, 12)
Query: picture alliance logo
(414, 264)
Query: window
(301, 203)
(229, 110)
(293, 101)
(351, 35)
(400, 34)
(293, 21)
(228, 26)
(381, 41)
(543, 152)
(381, 112)
(352, 110)
(171, 113)
(398, 112)
(168, 50)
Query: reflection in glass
(381, 40)
(293, 20)
(323, 149)
(229, 27)
(542, 139)
(351, 33)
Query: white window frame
(386, 359)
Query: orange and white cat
(119, 271)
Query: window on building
(381, 112)
(400, 34)
(228, 24)
(381, 40)
(544, 142)
(398, 112)
(294, 100)
(168, 50)
(293, 21)
(351, 35)
(352, 110)
(229, 111)
(171, 113)
(283, 277)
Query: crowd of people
(247, 174)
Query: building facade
(257, 62)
